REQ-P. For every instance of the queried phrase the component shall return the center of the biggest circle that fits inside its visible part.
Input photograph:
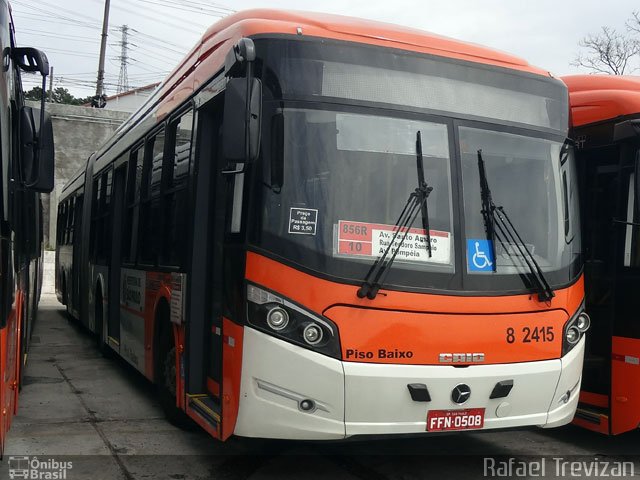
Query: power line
(54, 14)
(157, 43)
(35, 17)
(204, 4)
(138, 13)
(54, 6)
(187, 8)
(75, 39)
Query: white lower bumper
(373, 399)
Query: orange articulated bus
(26, 159)
(606, 129)
(322, 227)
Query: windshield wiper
(487, 208)
(497, 217)
(418, 198)
(422, 186)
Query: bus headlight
(312, 334)
(573, 335)
(278, 316)
(574, 329)
(583, 322)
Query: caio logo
(461, 357)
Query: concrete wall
(78, 132)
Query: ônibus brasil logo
(36, 469)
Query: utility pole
(123, 78)
(103, 50)
(50, 85)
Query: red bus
(606, 128)
(26, 150)
(321, 227)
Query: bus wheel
(167, 386)
(65, 300)
(103, 348)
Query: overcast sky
(544, 32)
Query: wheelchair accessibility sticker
(479, 255)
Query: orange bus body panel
(625, 385)
(595, 98)
(390, 336)
(425, 324)
(595, 399)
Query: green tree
(60, 95)
(34, 94)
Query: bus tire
(165, 371)
(103, 348)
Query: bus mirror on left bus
(636, 181)
(242, 120)
(35, 129)
(36, 150)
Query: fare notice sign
(372, 239)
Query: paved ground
(100, 415)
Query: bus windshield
(348, 168)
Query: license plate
(444, 420)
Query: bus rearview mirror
(31, 60)
(242, 122)
(636, 181)
(36, 150)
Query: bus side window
(60, 225)
(175, 188)
(70, 218)
(95, 213)
(100, 217)
(134, 184)
(150, 210)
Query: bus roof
(595, 98)
(206, 58)
(262, 21)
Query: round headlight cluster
(312, 334)
(573, 335)
(583, 322)
(277, 318)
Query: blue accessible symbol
(479, 255)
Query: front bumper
(372, 399)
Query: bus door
(625, 346)
(599, 180)
(204, 331)
(76, 262)
(113, 323)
